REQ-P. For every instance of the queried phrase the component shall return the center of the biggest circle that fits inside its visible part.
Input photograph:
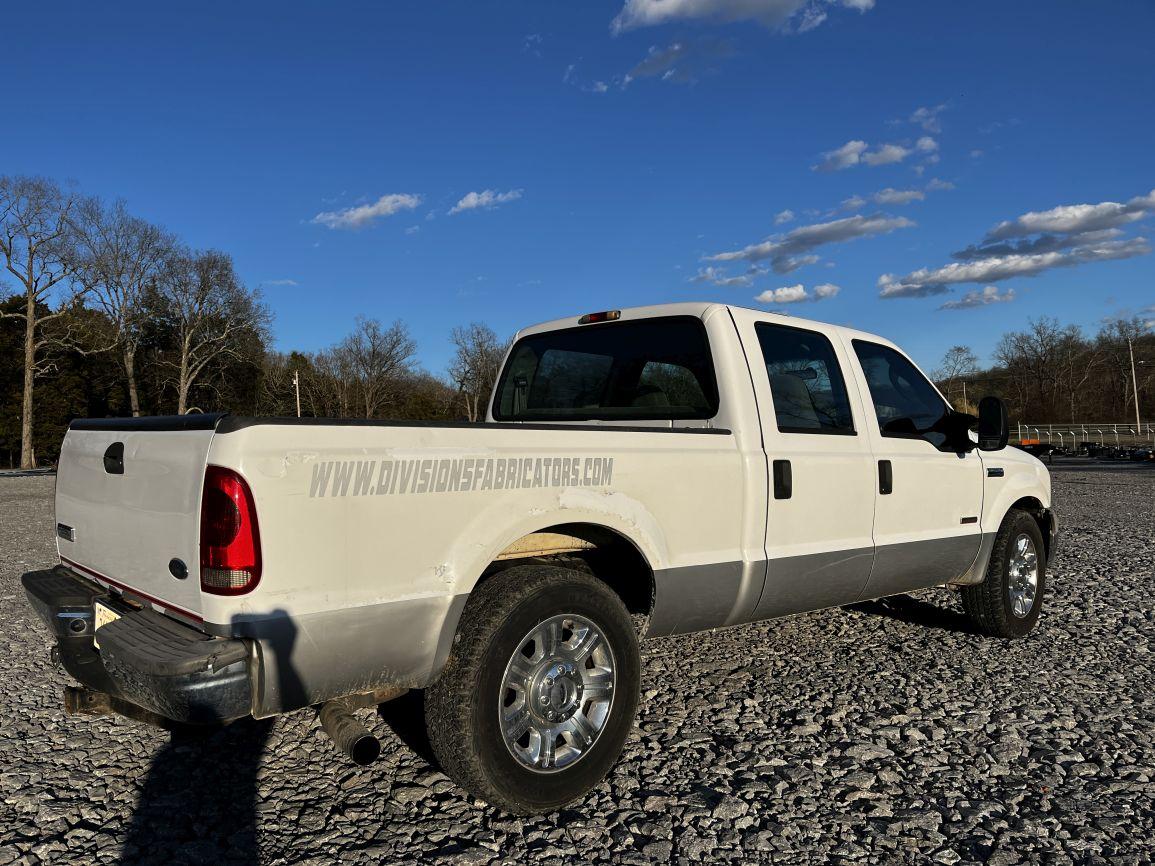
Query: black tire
(988, 604)
(461, 707)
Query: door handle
(783, 480)
(885, 477)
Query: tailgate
(129, 498)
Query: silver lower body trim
(915, 565)
(710, 596)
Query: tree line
(1050, 373)
(103, 313)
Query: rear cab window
(643, 369)
(806, 381)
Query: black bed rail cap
(197, 421)
(233, 423)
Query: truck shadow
(915, 611)
(198, 803)
(406, 717)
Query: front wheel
(1007, 603)
(540, 690)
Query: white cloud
(784, 295)
(1030, 244)
(361, 215)
(487, 198)
(927, 117)
(783, 217)
(1075, 218)
(721, 278)
(936, 185)
(793, 263)
(682, 62)
(858, 152)
(898, 196)
(285, 283)
(936, 281)
(855, 202)
(412, 230)
(788, 252)
(850, 154)
(797, 294)
(886, 154)
(769, 13)
(981, 298)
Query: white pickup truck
(657, 470)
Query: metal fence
(1072, 435)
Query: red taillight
(230, 540)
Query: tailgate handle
(885, 477)
(783, 480)
(114, 459)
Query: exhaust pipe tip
(348, 734)
(364, 750)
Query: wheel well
(607, 555)
(1035, 508)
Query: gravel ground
(887, 733)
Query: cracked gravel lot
(886, 733)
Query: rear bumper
(144, 658)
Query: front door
(820, 507)
(927, 500)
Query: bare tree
(331, 390)
(475, 367)
(211, 313)
(376, 360)
(120, 258)
(36, 240)
(1043, 365)
(959, 361)
(1115, 342)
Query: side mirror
(956, 427)
(994, 428)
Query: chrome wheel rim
(1023, 576)
(556, 693)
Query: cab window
(651, 369)
(805, 381)
(906, 404)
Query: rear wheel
(540, 690)
(1007, 603)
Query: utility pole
(1134, 384)
(297, 388)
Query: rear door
(821, 504)
(927, 499)
(128, 508)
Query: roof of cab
(699, 309)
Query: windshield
(641, 370)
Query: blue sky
(608, 154)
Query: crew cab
(650, 471)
